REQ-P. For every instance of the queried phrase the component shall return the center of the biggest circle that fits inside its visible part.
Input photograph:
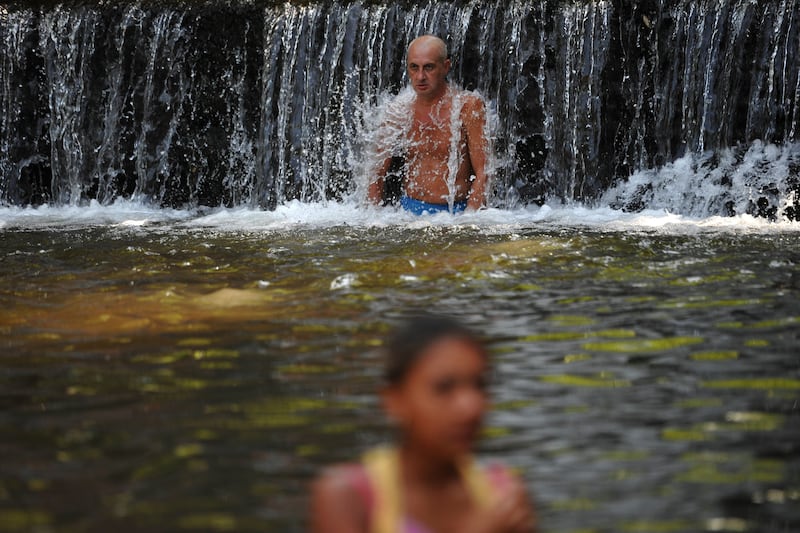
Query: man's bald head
(427, 66)
(429, 42)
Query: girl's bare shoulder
(338, 499)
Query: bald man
(443, 138)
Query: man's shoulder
(471, 101)
(471, 96)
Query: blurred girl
(436, 393)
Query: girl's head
(437, 371)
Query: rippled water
(167, 371)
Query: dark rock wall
(255, 103)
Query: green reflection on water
(643, 345)
(576, 335)
(195, 341)
(576, 358)
(494, 432)
(339, 428)
(754, 383)
(658, 526)
(209, 521)
(727, 469)
(702, 302)
(527, 287)
(678, 434)
(511, 405)
(572, 320)
(756, 343)
(574, 505)
(308, 450)
(554, 336)
(306, 369)
(722, 355)
(184, 354)
(698, 403)
(734, 421)
(777, 322)
(277, 413)
(726, 524)
(23, 519)
(188, 450)
(585, 381)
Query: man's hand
(375, 191)
(376, 184)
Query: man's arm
(474, 122)
(376, 181)
(385, 142)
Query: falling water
(254, 103)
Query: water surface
(173, 370)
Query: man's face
(427, 70)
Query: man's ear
(447, 64)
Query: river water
(192, 370)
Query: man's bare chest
(432, 134)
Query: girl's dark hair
(412, 338)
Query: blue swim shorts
(418, 207)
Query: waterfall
(257, 103)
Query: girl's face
(441, 402)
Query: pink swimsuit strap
(409, 526)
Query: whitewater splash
(762, 180)
(709, 191)
(297, 215)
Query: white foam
(708, 184)
(345, 281)
(299, 215)
(123, 213)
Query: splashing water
(762, 180)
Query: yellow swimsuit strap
(383, 468)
